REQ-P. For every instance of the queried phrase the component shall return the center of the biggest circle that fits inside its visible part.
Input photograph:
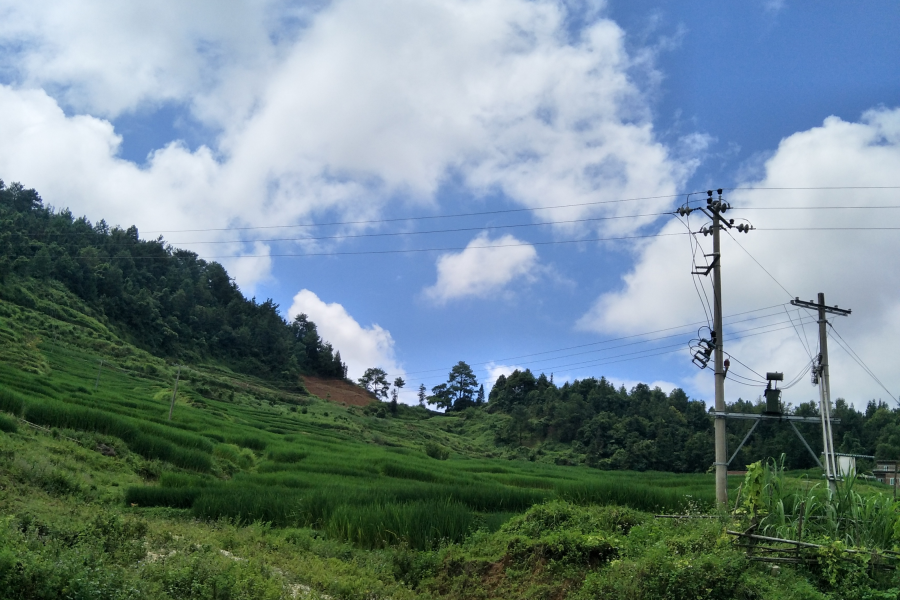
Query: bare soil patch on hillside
(337, 390)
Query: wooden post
(97, 382)
(174, 392)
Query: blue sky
(241, 121)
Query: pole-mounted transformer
(773, 394)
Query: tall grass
(139, 438)
(815, 512)
(635, 495)
(419, 525)
(278, 506)
(175, 497)
(287, 456)
(11, 402)
(248, 441)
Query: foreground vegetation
(67, 534)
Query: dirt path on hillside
(337, 391)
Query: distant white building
(886, 471)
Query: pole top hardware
(705, 270)
(843, 312)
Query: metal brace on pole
(741, 445)
(802, 439)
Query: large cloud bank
(854, 268)
(342, 108)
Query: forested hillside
(646, 429)
(173, 304)
(165, 300)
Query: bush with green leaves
(8, 424)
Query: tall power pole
(714, 209)
(721, 435)
(821, 374)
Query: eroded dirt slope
(337, 391)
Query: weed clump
(436, 451)
(8, 424)
(11, 402)
(287, 456)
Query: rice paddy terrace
(237, 447)
(258, 490)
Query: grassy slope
(360, 510)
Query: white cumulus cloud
(341, 109)
(494, 371)
(72, 162)
(104, 57)
(854, 268)
(484, 268)
(360, 347)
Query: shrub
(436, 451)
(663, 576)
(247, 441)
(8, 424)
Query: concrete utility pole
(721, 435)
(174, 392)
(714, 210)
(821, 373)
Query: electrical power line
(460, 248)
(593, 363)
(517, 210)
(827, 228)
(759, 264)
(425, 217)
(618, 339)
(844, 207)
(694, 244)
(846, 348)
(415, 250)
(463, 229)
(827, 187)
(399, 233)
(802, 343)
(537, 208)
